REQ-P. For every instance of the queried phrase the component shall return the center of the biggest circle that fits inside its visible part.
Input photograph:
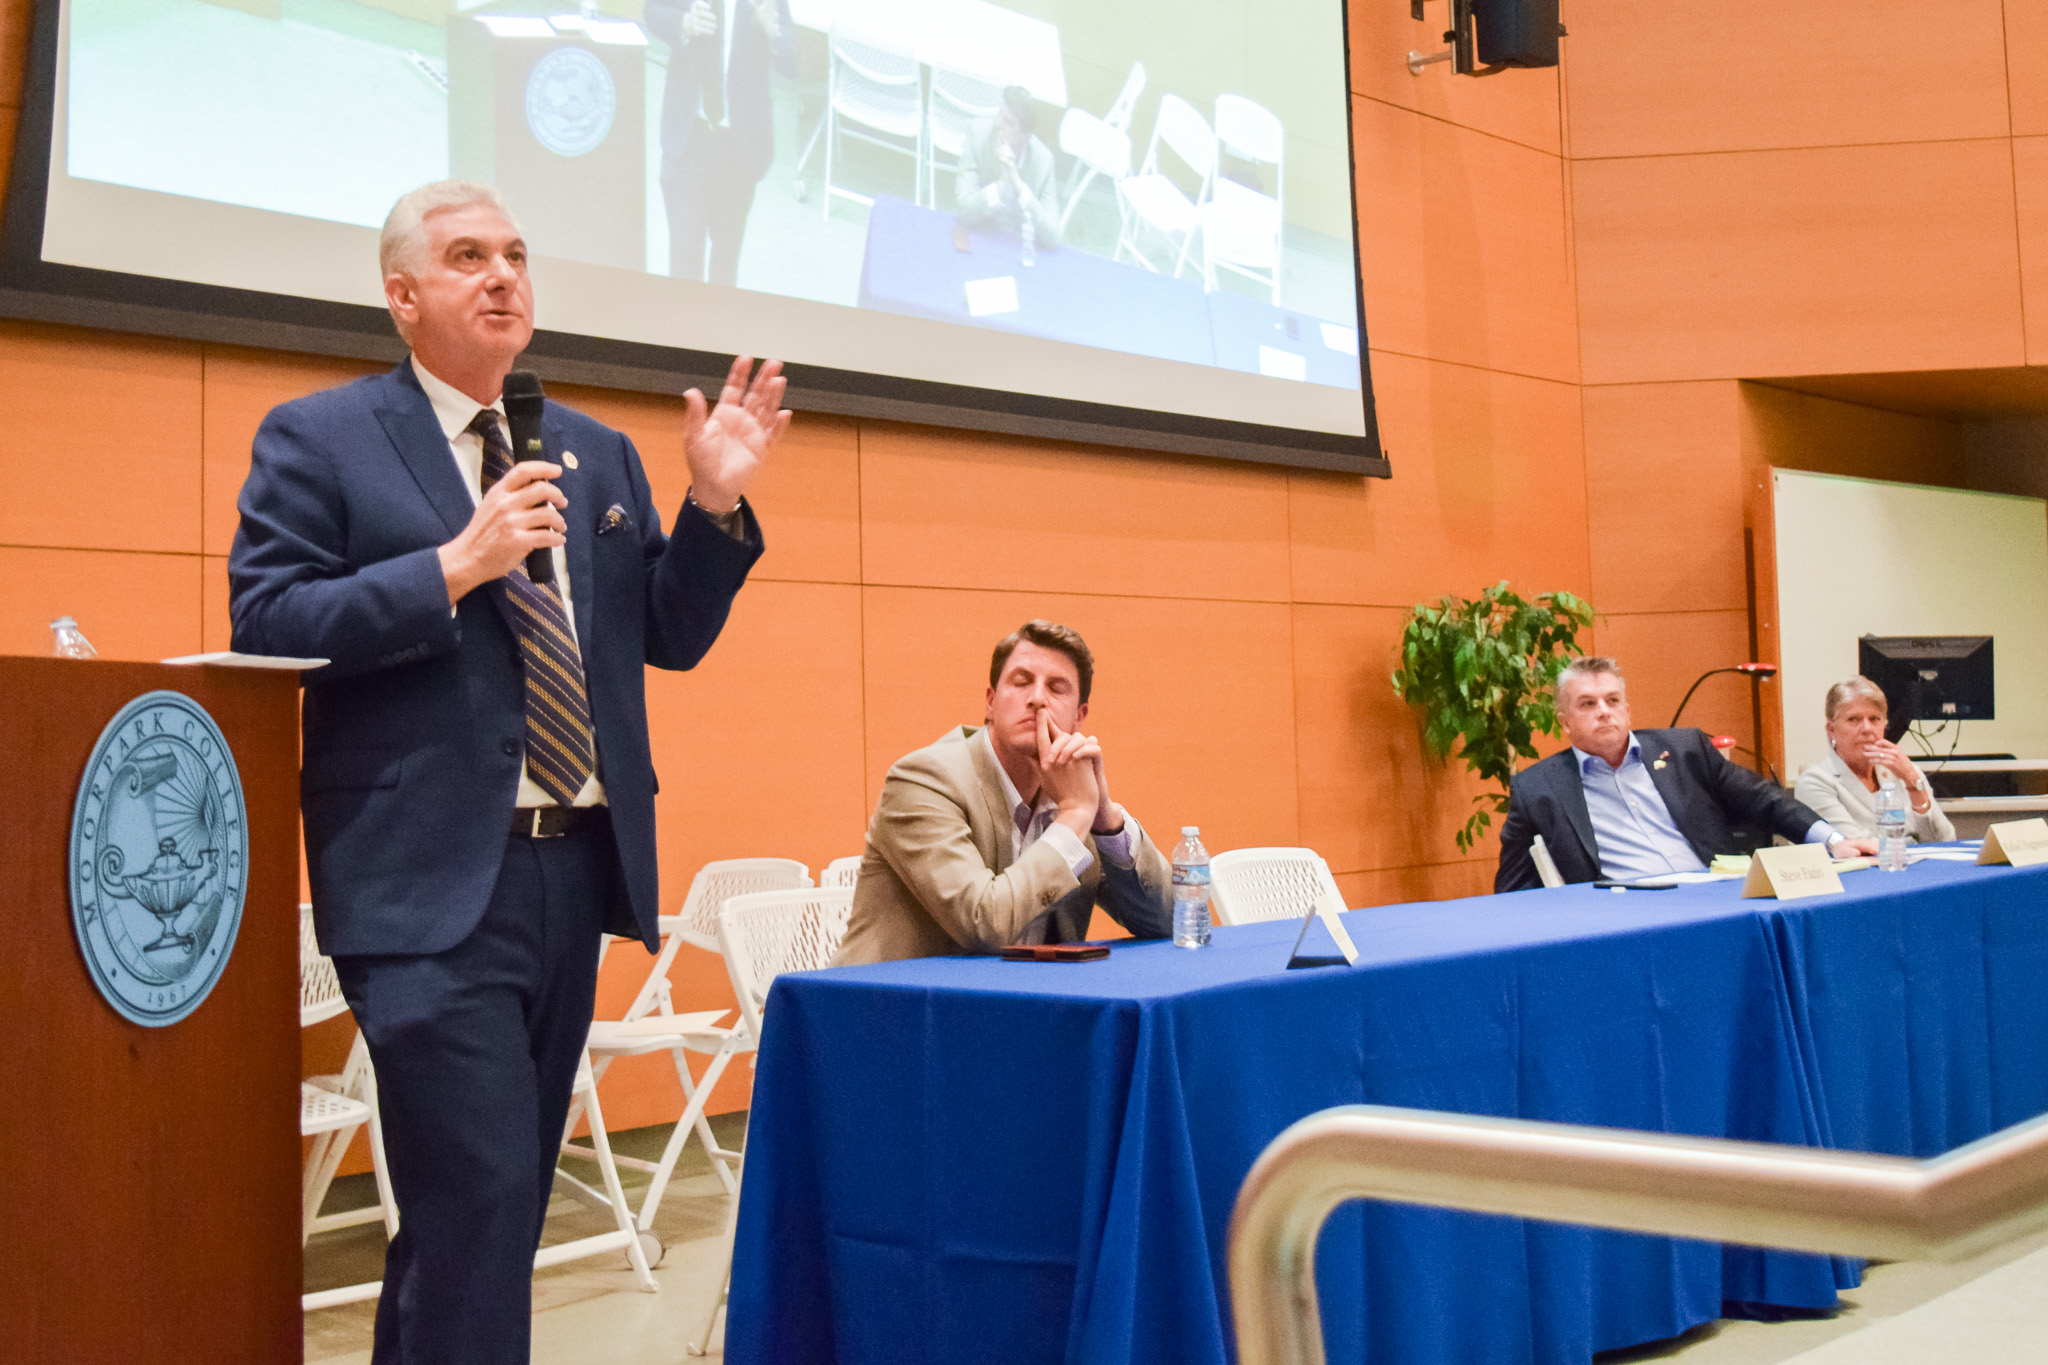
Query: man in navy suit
(717, 122)
(1623, 803)
(476, 788)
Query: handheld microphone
(524, 400)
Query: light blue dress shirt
(1631, 824)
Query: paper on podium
(228, 658)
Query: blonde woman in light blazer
(1843, 789)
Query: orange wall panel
(107, 433)
(1838, 260)
(2030, 187)
(959, 510)
(1788, 430)
(1663, 653)
(1489, 483)
(1664, 497)
(2026, 64)
(1742, 75)
(1522, 109)
(1370, 796)
(1461, 248)
(758, 748)
(130, 606)
(1429, 882)
(1193, 702)
(216, 631)
(241, 387)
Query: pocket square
(614, 517)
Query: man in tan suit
(1006, 833)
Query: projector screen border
(34, 290)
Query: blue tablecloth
(959, 1160)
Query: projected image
(1151, 177)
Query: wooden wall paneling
(1462, 245)
(1489, 483)
(94, 472)
(2026, 65)
(1521, 109)
(1743, 75)
(1428, 882)
(141, 607)
(1370, 797)
(240, 388)
(1841, 259)
(17, 19)
(1662, 653)
(1791, 430)
(960, 510)
(807, 497)
(215, 629)
(1664, 496)
(2030, 188)
(1194, 700)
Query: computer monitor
(1928, 677)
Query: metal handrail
(1715, 1189)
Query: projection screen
(1127, 223)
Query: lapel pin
(569, 458)
(1660, 759)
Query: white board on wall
(1860, 557)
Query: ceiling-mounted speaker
(1516, 32)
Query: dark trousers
(708, 197)
(476, 1050)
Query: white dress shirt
(455, 410)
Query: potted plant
(1482, 669)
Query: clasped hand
(1070, 772)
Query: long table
(962, 1159)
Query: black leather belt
(552, 822)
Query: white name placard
(2023, 843)
(1792, 873)
(1327, 910)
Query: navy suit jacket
(1720, 807)
(414, 734)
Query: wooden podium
(150, 1175)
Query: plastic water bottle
(1190, 890)
(1030, 257)
(67, 641)
(1891, 822)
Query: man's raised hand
(1066, 773)
(726, 446)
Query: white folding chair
(841, 872)
(955, 102)
(332, 1109)
(1241, 224)
(651, 1023)
(1152, 199)
(1546, 866)
(1251, 884)
(1100, 146)
(874, 94)
(765, 935)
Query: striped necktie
(558, 749)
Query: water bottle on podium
(67, 641)
(1891, 822)
(1190, 890)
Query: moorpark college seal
(159, 858)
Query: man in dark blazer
(1622, 803)
(717, 122)
(477, 794)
